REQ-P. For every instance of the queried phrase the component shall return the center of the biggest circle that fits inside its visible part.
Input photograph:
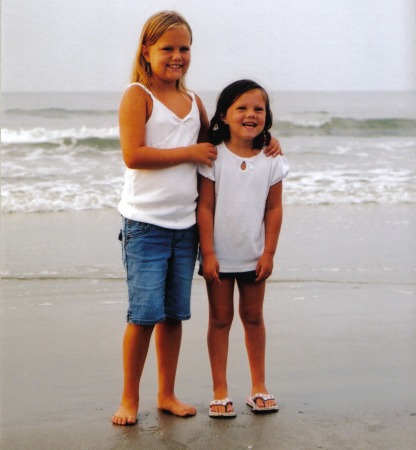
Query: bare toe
(125, 416)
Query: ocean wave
(60, 195)
(83, 190)
(60, 113)
(348, 186)
(96, 137)
(293, 126)
(341, 126)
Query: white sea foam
(325, 187)
(43, 135)
(373, 186)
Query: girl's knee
(220, 322)
(250, 319)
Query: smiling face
(170, 56)
(246, 117)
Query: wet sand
(341, 347)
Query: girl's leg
(135, 347)
(181, 265)
(251, 313)
(168, 342)
(221, 313)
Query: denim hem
(176, 316)
(145, 322)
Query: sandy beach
(341, 338)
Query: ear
(145, 53)
(222, 117)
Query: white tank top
(164, 197)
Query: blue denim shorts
(159, 265)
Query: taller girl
(160, 125)
(163, 135)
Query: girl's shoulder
(279, 168)
(136, 86)
(137, 89)
(198, 101)
(136, 98)
(203, 116)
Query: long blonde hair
(153, 30)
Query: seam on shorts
(145, 322)
(176, 316)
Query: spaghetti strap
(143, 87)
(190, 93)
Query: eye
(167, 49)
(185, 49)
(241, 108)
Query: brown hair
(153, 30)
(219, 131)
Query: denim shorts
(159, 265)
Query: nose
(176, 55)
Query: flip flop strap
(263, 397)
(224, 402)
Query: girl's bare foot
(127, 413)
(175, 406)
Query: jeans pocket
(135, 229)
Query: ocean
(61, 151)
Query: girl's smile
(246, 118)
(170, 56)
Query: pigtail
(218, 131)
(262, 140)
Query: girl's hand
(211, 269)
(204, 153)
(264, 267)
(273, 149)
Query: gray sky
(320, 45)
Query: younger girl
(160, 125)
(239, 217)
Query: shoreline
(343, 243)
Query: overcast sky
(320, 45)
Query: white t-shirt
(240, 201)
(164, 197)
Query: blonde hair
(153, 30)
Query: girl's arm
(273, 149)
(205, 220)
(203, 132)
(134, 111)
(272, 221)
